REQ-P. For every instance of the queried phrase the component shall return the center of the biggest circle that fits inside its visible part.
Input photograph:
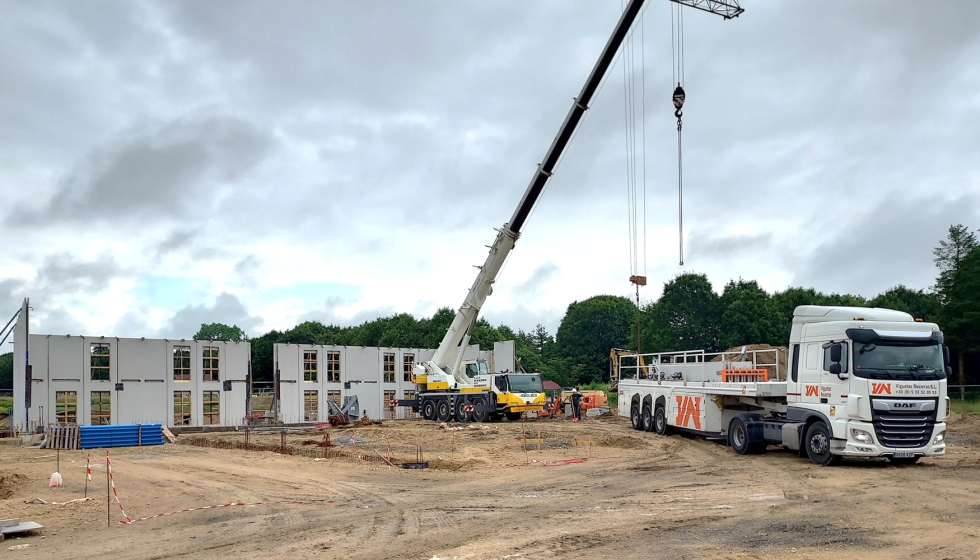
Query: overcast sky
(164, 164)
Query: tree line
(689, 315)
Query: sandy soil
(639, 496)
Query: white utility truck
(859, 383)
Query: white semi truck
(859, 383)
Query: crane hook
(678, 101)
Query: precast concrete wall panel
(141, 380)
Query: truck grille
(903, 429)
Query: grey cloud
(522, 318)
(886, 246)
(247, 268)
(328, 314)
(168, 172)
(708, 246)
(58, 321)
(536, 282)
(227, 309)
(175, 240)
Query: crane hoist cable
(677, 52)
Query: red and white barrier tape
(112, 483)
(230, 504)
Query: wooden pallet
(62, 436)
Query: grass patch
(6, 402)
(964, 407)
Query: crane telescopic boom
(459, 332)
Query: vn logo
(881, 388)
(688, 408)
(812, 391)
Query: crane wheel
(443, 412)
(480, 415)
(459, 414)
(428, 410)
(514, 416)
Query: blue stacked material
(121, 435)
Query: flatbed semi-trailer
(859, 382)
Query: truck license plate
(903, 455)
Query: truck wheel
(428, 410)
(443, 412)
(514, 416)
(635, 418)
(459, 414)
(646, 419)
(660, 421)
(903, 460)
(738, 438)
(818, 445)
(480, 415)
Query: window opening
(182, 363)
(389, 396)
(309, 365)
(211, 363)
(212, 408)
(389, 367)
(101, 413)
(311, 405)
(182, 408)
(100, 354)
(408, 364)
(66, 407)
(333, 367)
(334, 396)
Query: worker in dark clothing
(576, 405)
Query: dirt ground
(636, 495)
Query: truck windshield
(525, 383)
(886, 360)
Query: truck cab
(875, 378)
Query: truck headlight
(861, 436)
(940, 437)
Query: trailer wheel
(660, 421)
(635, 418)
(646, 419)
(818, 445)
(738, 438)
(443, 412)
(428, 410)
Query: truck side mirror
(835, 368)
(835, 356)
(949, 371)
(945, 354)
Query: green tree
(959, 243)
(686, 317)
(7, 371)
(749, 316)
(220, 331)
(918, 303)
(589, 329)
(962, 312)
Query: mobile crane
(444, 390)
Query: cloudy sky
(164, 164)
